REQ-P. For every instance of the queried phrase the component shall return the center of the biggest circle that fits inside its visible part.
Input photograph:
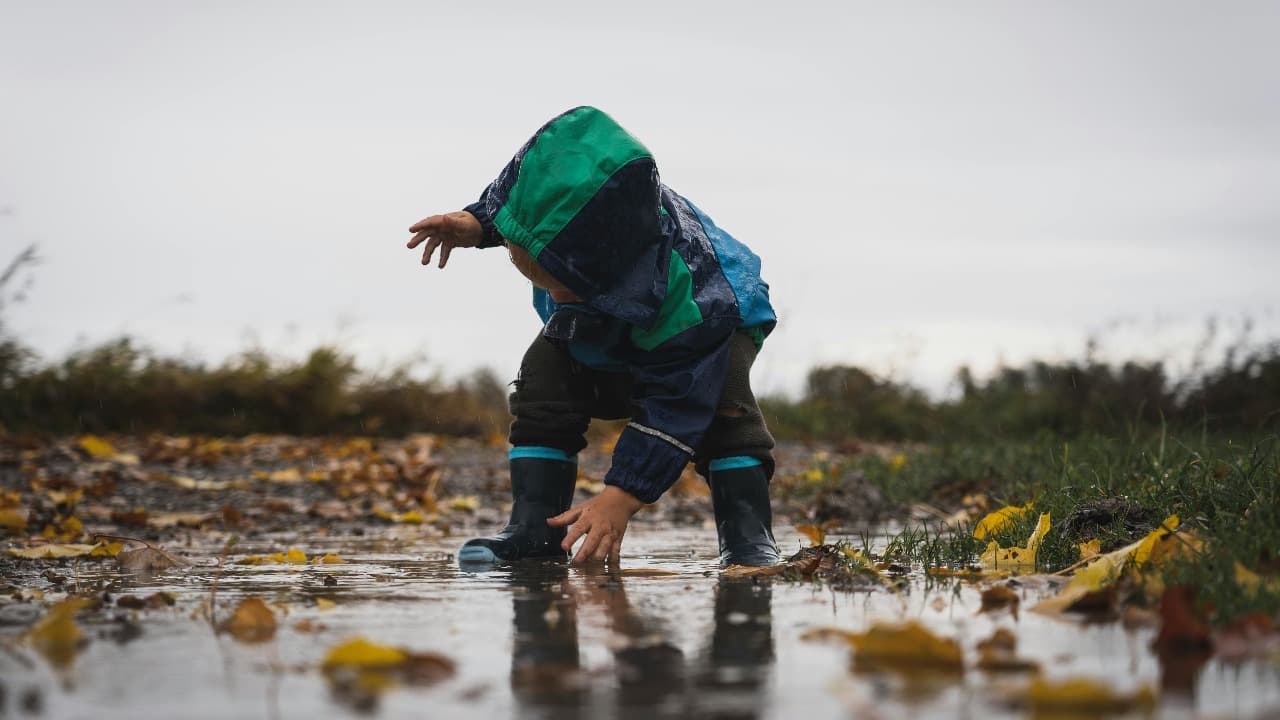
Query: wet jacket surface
(663, 287)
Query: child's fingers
(426, 224)
(575, 532)
(417, 239)
(564, 518)
(589, 548)
(429, 249)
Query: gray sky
(929, 184)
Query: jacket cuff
(480, 209)
(645, 465)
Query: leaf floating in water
(150, 559)
(908, 648)
(252, 622)
(1081, 697)
(53, 551)
(1000, 597)
(56, 636)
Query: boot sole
(476, 555)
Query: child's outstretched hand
(448, 231)
(603, 520)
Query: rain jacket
(663, 287)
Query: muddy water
(556, 642)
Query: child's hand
(603, 520)
(448, 231)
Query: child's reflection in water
(652, 676)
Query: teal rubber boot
(541, 487)
(744, 518)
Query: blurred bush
(1241, 394)
(120, 387)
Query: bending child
(650, 312)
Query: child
(650, 312)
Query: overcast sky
(928, 184)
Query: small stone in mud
(330, 581)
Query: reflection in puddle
(546, 640)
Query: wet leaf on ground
(1016, 558)
(252, 621)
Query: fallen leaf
(907, 648)
(96, 447)
(467, 503)
(136, 517)
(13, 519)
(817, 535)
(999, 597)
(1103, 570)
(325, 604)
(1081, 697)
(53, 551)
(1090, 549)
(148, 559)
(362, 654)
(1016, 558)
(997, 520)
(294, 556)
(181, 519)
(998, 653)
(56, 636)
(327, 559)
(252, 621)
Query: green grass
(1225, 490)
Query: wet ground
(550, 641)
(668, 637)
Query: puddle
(555, 642)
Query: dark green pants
(555, 398)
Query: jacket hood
(585, 202)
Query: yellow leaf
(362, 654)
(1016, 558)
(293, 557)
(910, 647)
(1081, 697)
(288, 475)
(13, 519)
(1103, 570)
(97, 448)
(109, 550)
(56, 636)
(53, 551)
(1143, 551)
(327, 559)
(252, 621)
(1089, 549)
(998, 520)
(325, 604)
(815, 534)
(464, 502)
